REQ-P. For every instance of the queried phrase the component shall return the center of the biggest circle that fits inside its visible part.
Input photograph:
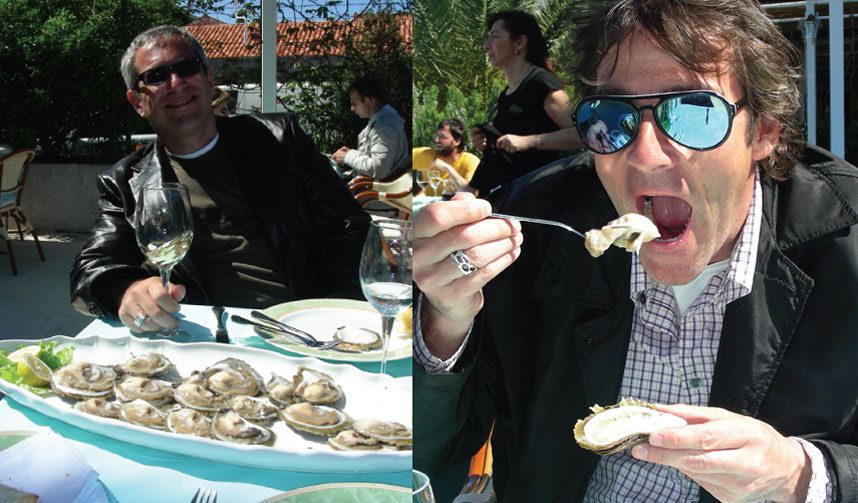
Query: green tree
(60, 76)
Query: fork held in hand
(536, 221)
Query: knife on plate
(220, 334)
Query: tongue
(670, 215)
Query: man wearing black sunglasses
(741, 315)
(272, 221)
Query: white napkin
(47, 465)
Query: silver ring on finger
(463, 263)
(140, 319)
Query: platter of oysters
(232, 404)
(355, 323)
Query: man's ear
(134, 98)
(766, 136)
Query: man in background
(382, 145)
(448, 156)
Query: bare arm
(559, 109)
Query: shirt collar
(743, 261)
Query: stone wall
(62, 197)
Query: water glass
(421, 489)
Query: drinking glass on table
(385, 273)
(422, 178)
(434, 180)
(448, 189)
(421, 489)
(164, 229)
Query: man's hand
(734, 457)
(451, 300)
(478, 139)
(598, 138)
(513, 143)
(339, 156)
(149, 296)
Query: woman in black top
(533, 122)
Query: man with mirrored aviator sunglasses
(272, 222)
(740, 317)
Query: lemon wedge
(34, 372)
(18, 355)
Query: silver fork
(278, 330)
(536, 221)
(204, 495)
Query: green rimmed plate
(12, 437)
(321, 317)
(345, 492)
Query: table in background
(133, 473)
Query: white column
(838, 104)
(810, 72)
(269, 56)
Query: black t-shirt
(521, 112)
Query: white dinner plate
(343, 492)
(366, 396)
(322, 317)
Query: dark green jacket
(553, 336)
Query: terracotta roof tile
(230, 41)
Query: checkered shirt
(671, 359)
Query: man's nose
(649, 148)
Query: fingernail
(639, 452)
(655, 439)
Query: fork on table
(204, 495)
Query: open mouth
(670, 214)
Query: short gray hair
(129, 73)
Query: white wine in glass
(434, 180)
(385, 273)
(164, 229)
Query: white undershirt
(686, 294)
(193, 155)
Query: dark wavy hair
(368, 87)
(701, 34)
(457, 131)
(519, 23)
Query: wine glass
(434, 180)
(164, 229)
(385, 273)
(448, 189)
(422, 179)
(421, 489)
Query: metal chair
(13, 174)
(395, 193)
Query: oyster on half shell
(83, 380)
(622, 426)
(230, 427)
(316, 419)
(147, 365)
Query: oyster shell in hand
(630, 231)
(622, 426)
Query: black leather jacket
(313, 224)
(553, 336)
